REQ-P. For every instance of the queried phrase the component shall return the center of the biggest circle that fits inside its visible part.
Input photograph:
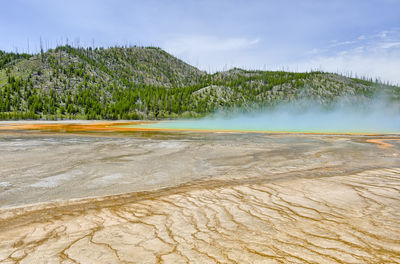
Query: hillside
(147, 83)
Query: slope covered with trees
(148, 83)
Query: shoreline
(125, 126)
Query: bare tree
(41, 49)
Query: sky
(355, 37)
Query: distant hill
(148, 83)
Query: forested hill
(148, 83)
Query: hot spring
(338, 120)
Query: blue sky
(356, 36)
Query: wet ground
(116, 196)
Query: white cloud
(200, 44)
(343, 43)
(375, 56)
(379, 61)
(383, 34)
(389, 45)
(209, 52)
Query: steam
(348, 115)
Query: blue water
(334, 122)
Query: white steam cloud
(349, 115)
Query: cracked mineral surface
(156, 197)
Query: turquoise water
(335, 122)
